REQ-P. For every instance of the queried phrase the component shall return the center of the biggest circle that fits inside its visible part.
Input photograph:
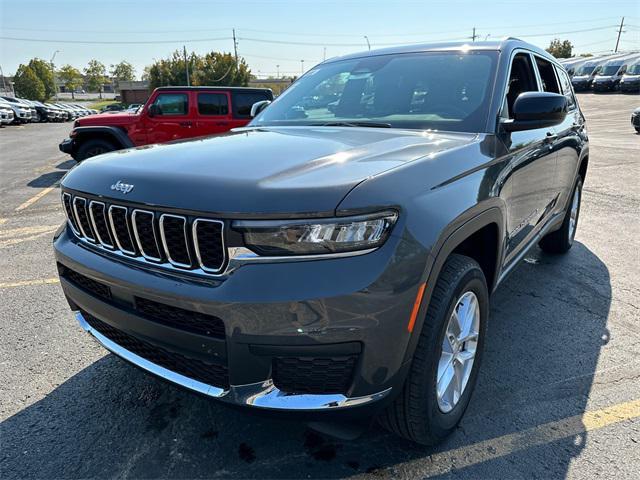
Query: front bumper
(630, 86)
(604, 86)
(301, 311)
(259, 394)
(67, 146)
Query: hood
(108, 119)
(258, 171)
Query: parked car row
(15, 110)
(605, 74)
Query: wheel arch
(470, 238)
(115, 135)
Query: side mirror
(533, 110)
(153, 110)
(257, 107)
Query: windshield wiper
(352, 124)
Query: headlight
(316, 237)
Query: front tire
(93, 147)
(445, 364)
(561, 240)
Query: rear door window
(172, 103)
(243, 101)
(547, 75)
(565, 85)
(215, 104)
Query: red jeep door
(213, 115)
(170, 118)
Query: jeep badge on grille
(122, 187)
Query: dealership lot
(558, 395)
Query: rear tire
(561, 240)
(91, 148)
(420, 413)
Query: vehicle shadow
(52, 178)
(548, 325)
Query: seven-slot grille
(148, 236)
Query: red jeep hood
(108, 119)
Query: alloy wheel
(458, 351)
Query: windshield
(609, 70)
(634, 69)
(440, 90)
(585, 70)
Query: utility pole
(368, 44)
(473, 35)
(324, 54)
(619, 33)
(277, 71)
(53, 73)
(302, 67)
(186, 65)
(235, 47)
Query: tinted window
(213, 104)
(521, 79)
(609, 70)
(547, 75)
(565, 85)
(439, 90)
(172, 103)
(242, 102)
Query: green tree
(560, 49)
(28, 85)
(214, 68)
(71, 77)
(43, 71)
(96, 74)
(122, 71)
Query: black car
(635, 119)
(334, 262)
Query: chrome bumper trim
(259, 395)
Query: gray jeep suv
(339, 252)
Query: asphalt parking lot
(558, 394)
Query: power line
(269, 41)
(96, 42)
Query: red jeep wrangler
(171, 113)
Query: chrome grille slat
(204, 257)
(97, 215)
(167, 218)
(154, 244)
(82, 218)
(68, 209)
(165, 241)
(117, 225)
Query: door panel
(173, 120)
(531, 186)
(213, 113)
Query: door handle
(185, 124)
(221, 123)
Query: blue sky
(279, 32)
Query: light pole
(4, 85)
(301, 67)
(368, 44)
(53, 73)
(277, 71)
